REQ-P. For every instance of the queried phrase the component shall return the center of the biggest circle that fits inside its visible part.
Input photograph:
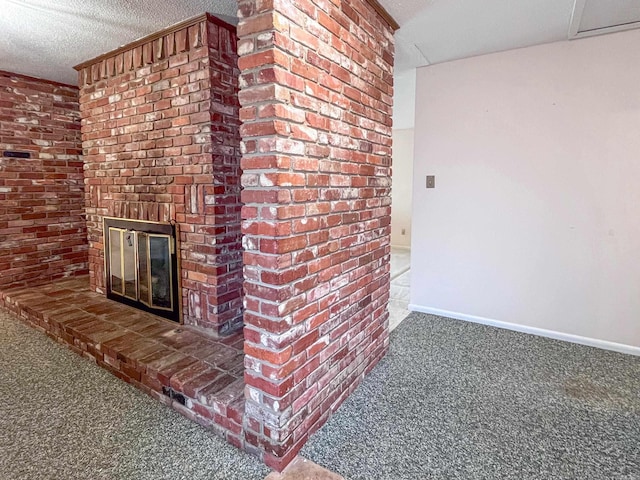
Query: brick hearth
(197, 375)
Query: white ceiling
(602, 13)
(45, 38)
(435, 31)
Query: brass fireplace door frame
(136, 285)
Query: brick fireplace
(294, 247)
(161, 145)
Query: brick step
(197, 375)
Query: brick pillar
(316, 95)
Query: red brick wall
(161, 143)
(42, 228)
(316, 96)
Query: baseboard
(401, 247)
(567, 337)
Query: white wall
(404, 105)
(401, 187)
(404, 99)
(535, 218)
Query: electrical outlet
(431, 181)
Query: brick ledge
(195, 375)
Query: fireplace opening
(141, 265)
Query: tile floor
(400, 282)
(400, 261)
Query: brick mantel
(178, 38)
(384, 14)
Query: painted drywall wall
(404, 104)
(535, 218)
(401, 189)
(404, 99)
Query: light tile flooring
(400, 278)
(400, 261)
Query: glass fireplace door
(141, 266)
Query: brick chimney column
(316, 90)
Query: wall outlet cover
(431, 181)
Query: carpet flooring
(451, 400)
(456, 400)
(62, 417)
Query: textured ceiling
(46, 38)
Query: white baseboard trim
(567, 337)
